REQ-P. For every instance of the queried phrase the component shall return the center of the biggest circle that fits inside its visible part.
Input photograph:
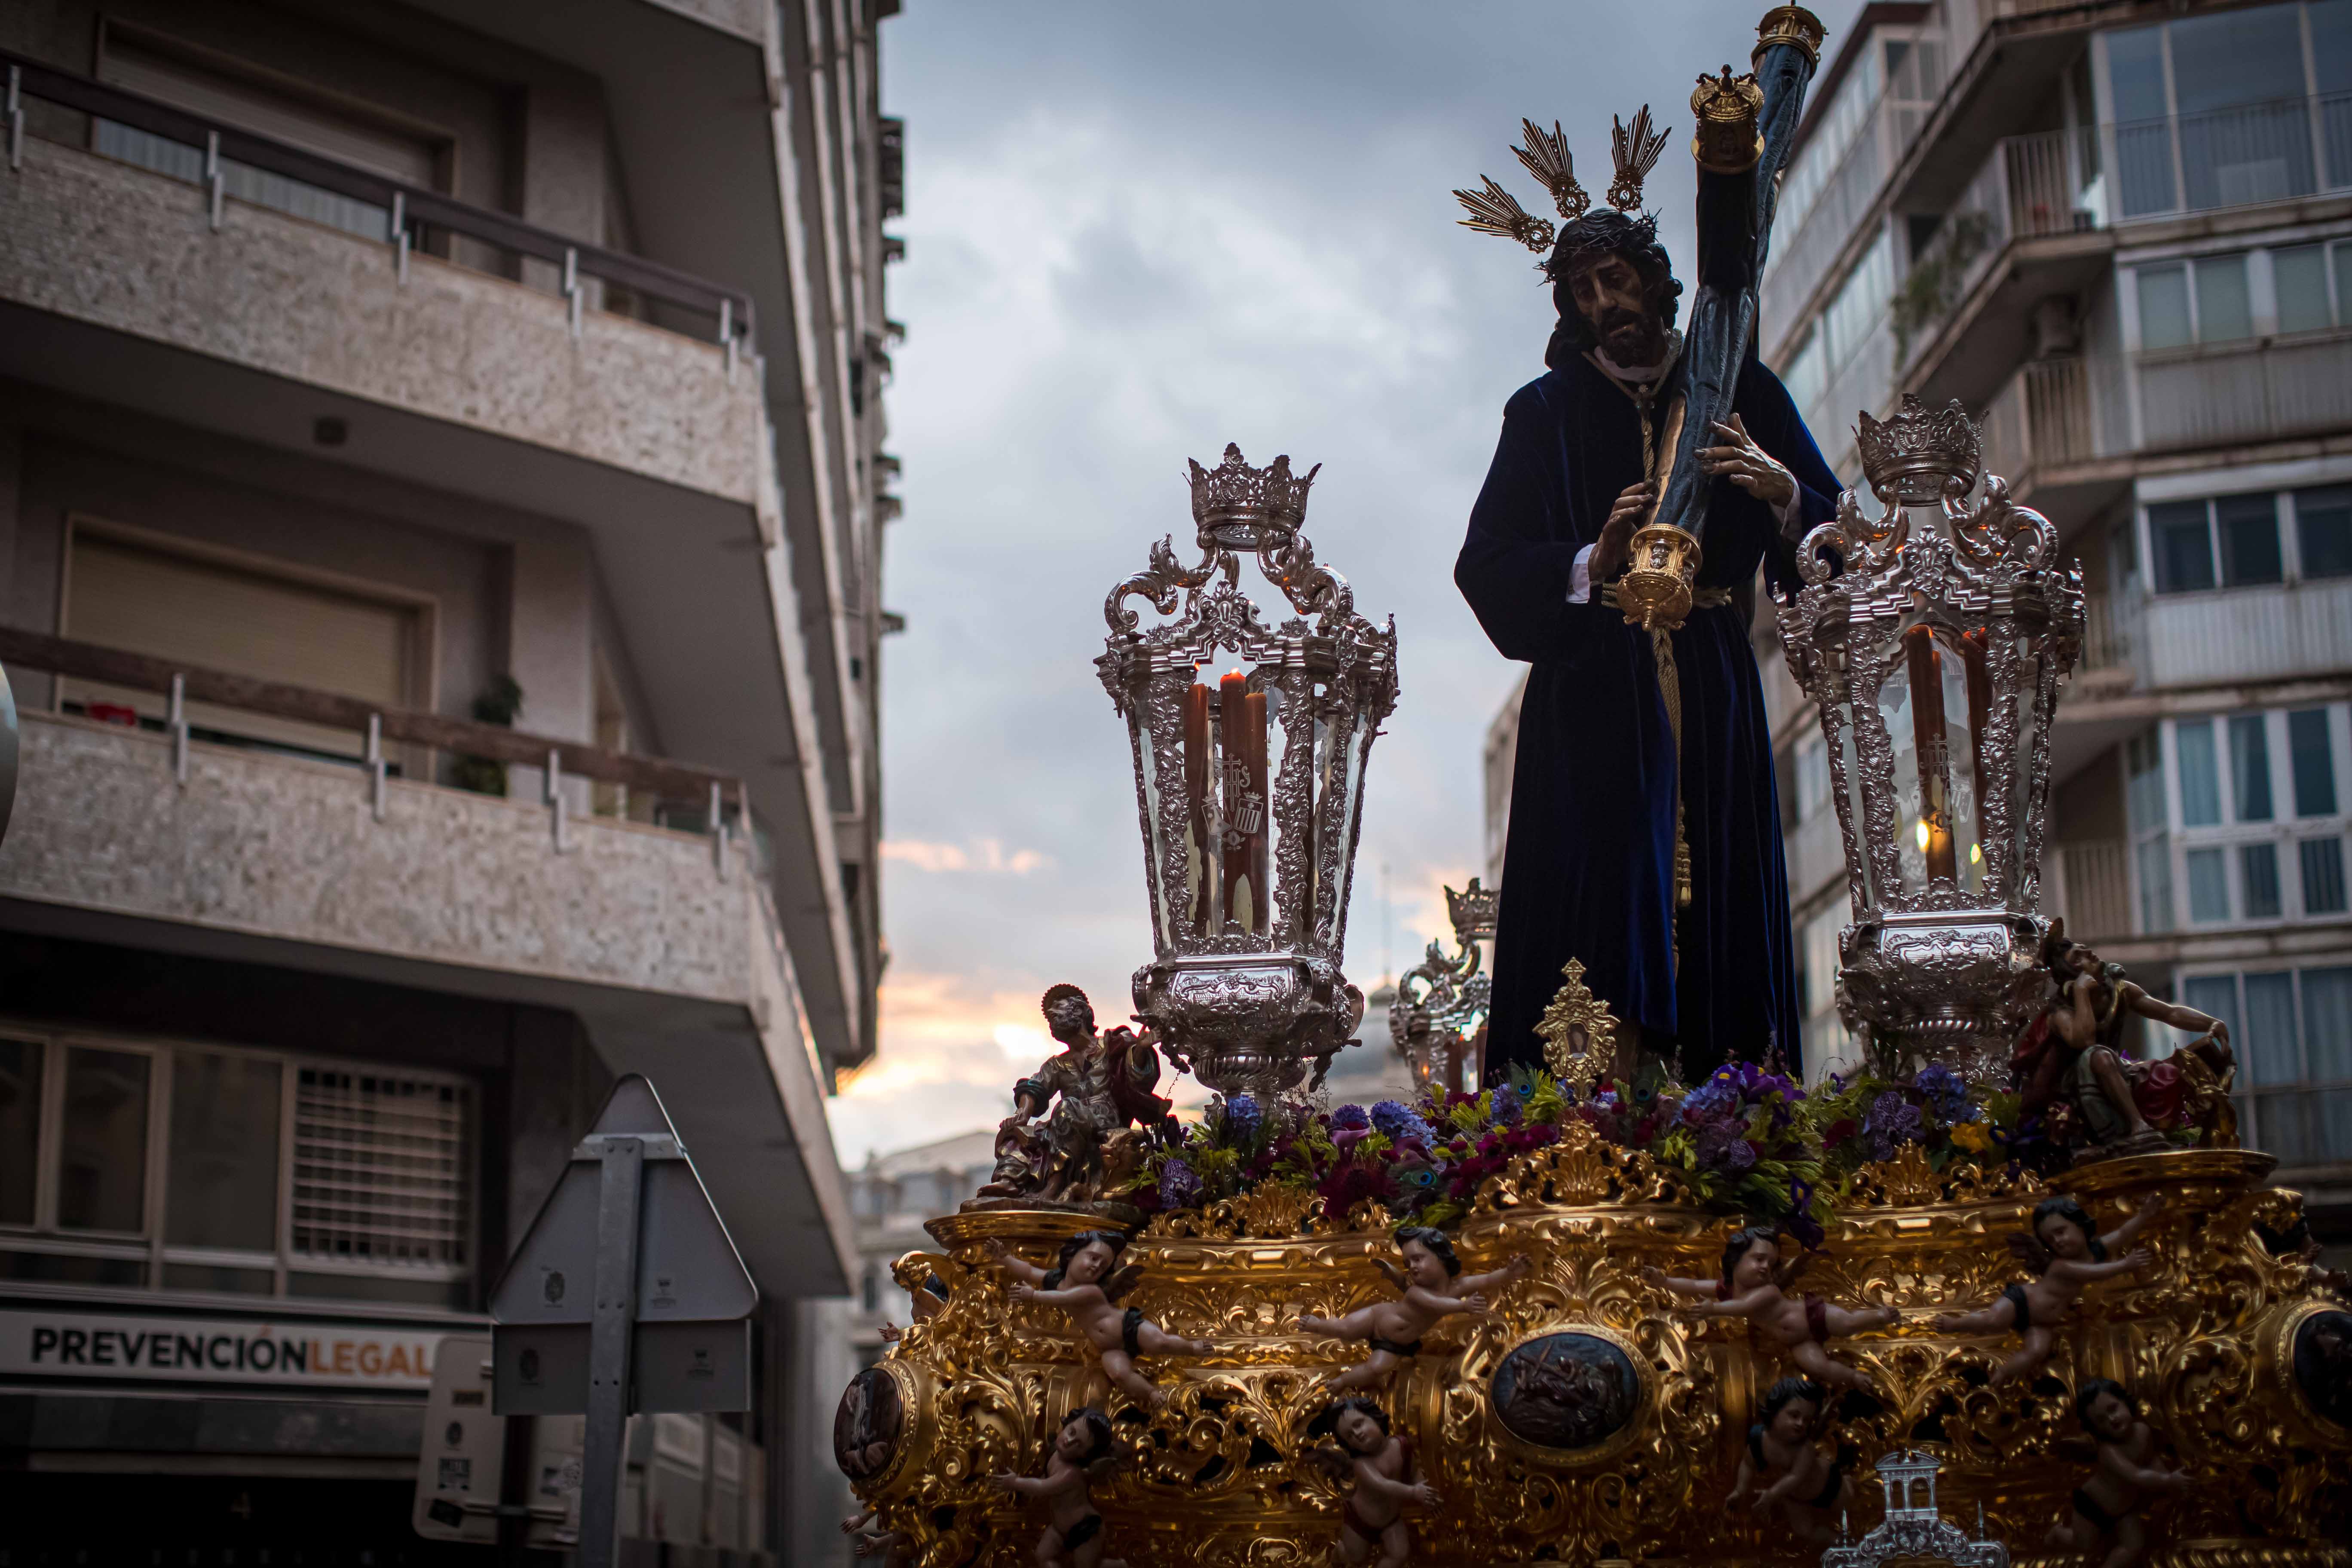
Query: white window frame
(147, 1245)
(2248, 1094)
(2285, 830)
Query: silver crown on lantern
(1473, 911)
(1248, 855)
(1920, 455)
(1237, 506)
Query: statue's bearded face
(1620, 306)
(1071, 1019)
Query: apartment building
(2121, 231)
(441, 497)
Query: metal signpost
(666, 1322)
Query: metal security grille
(381, 1164)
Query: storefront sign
(68, 1344)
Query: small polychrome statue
(1753, 1286)
(2064, 1253)
(895, 1547)
(1372, 1519)
(1087, 1285)
(1785, 1466)
(1059, 1152)
(1430, 1286)
(927, 1299)
(1073, 1535)
(2107, 1505)
(2071, 1069)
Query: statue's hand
(1748, 464)
(1615, 545)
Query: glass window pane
(67, 1269)
(2327, 1024)
(2279, 1126)
(2216, 995)
(2258, 871)
(2268, 1048)
(2301, 278)
(102, 1144)
(2253, 56)
(2250, 540)
(2201, 781)
(20, 1123)
(2163, 307)
(2323, 521)
(2208, 885)
(2144, 791)
(2153, 863)
(2135, 73)
(2323, 876)
(223, 1166)
(2331, 1119)
(2184, 546)
(2314, 763)
(2250, 766)
(2225, 311)
(2331, 44)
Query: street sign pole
(611, 1333)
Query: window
(2229, 123)
(2258, 874)
(2248, 529)
(2323, 876)
(2300, 279)
(2201, 786)
(2292, 1033)
(2323, 524)
(2225, 312)
(2250, 767)
(2204, 301)
(2164, 319)
(2183, 541)
(2313, 763)
(2208, 885)
(361, 1188)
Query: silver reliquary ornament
(1933, 640)
(1247, 855)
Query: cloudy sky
(1135, 233)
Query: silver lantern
(1442, 1002)
(1933, 638)
(1247, 856)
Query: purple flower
(1180, 1185)
(1947, 1093)
(1241, 1119)
(1893, 1120)
(1399, 1123)
(1723, 1146)
(1717, 1095)
(1350, 1118)
(1506, 1103)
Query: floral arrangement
(1747, 1140)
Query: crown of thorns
(1635, 149)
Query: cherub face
(1072, 1441)
(2064, 1238)
(1093, 1261)
(1755, 1266)
(2108, 1417)
(1796, 1421)
(1357, 1432)
(1422, 1267)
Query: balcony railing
(2040, 420)
(2246, 392)
(654, 778)
(218, 149)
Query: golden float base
(2205, 1338)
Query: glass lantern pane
(1913, 835)
(1964, 696)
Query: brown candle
(1924, 660)
(1196, 802)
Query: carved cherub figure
(927, 1299)
(1785, 1466)
(2064, 1253)
(1430, 1286)
(895, 1547)
(1086, 1284)
(1754, 1286)
(2106, 1506)
(1072, 1534)
(1372, 1519)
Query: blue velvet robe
(1587, 868)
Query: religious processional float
(1911, 1313)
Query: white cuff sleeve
(1579, 576)
(1786, 512)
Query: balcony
(2043, 214)
(665, 944)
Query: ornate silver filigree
(1941, 955)
(1915, 1528)
(1248, 1005)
